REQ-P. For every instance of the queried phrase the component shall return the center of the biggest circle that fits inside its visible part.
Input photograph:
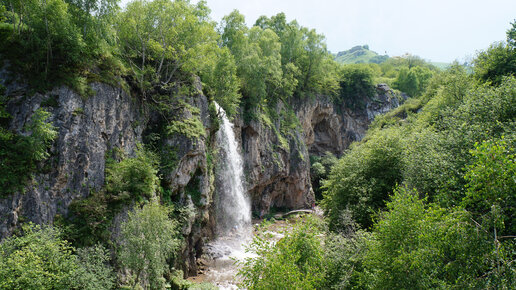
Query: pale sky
(436, 30)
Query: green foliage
(413, 81)
(362, 180)
(37, 260)
(511, 34)
(222, 83)
(148, 239)
(320, 168)
(93, 272)
(21, 154)
(296, 260)
(276, 60)
(356, 85)
(89, 219)
(162, 40)
(190, 127)
(491, 186)
(493, 64)
(344, 255)
(417, 246)
(133, 177)
(44, 36)
(41, 259)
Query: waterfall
(232, 206)
(232, 210)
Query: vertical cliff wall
(89, 128)
(277, 164)
(332, 127)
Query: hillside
(360, 54)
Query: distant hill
(440, 65)
(360, 54)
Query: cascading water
(232, 210)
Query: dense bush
(356, 85)
(134, 177)
(416, 246)
(41, 259)
(362, 180)
(319, 170)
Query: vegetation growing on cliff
(21, 153)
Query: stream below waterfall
(218, 262)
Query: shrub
(296, 260)
(363, 179)
(135, 177)
(41, 259)
(419, 247)
(20, 154)
(148, 239)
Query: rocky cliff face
(277, 167)
(331, 127)
(279, 176)
(87, 129)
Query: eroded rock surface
(87, 129)
(331, 127)
(277, 175)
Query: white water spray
(233, 209)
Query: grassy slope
(355, 56)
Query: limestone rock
(87, 129)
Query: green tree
(20, 154)
(37, 260)
(356, 85)
(134, 177)
(221, 82)
(94, 271)
(46, 38)
(491, 186)
(493, 64)
(162, 39)
(148, 238)
(511, 34)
